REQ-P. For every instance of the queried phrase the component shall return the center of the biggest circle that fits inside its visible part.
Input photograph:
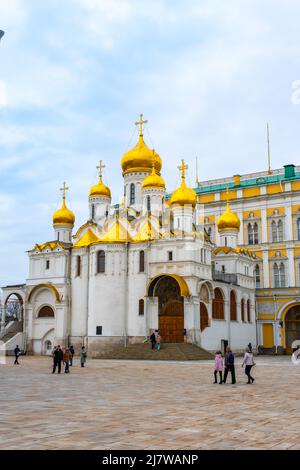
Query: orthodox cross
(182, 168)
(100, 168)
(64, 189)
(140, 123)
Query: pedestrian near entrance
(17, 352)
(229, 366)
(82, 356)
(218, 367)
(153, 340)
(250, 347)
(248, 362)
(72, 352)
(66, 359)
(58, 356)
(158, 341)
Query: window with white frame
(252, 230)
(279, 274)
(257, 277)
(277, 231)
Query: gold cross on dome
(140, 123)
(101, 168)
(64, 189)
(182, 168)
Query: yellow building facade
(268, 206)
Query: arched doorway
(203, 316)
(13, 308)
(292, 327)
(170, 309)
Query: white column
(266, 270)
(291, 268)
(264, 226)
(288, 226)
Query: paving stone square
(148, 405)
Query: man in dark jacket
(229, 365)
(17, 352)
(57, 359)
(72, 352)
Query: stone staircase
(168, 352)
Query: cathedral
(148, 263)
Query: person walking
(72, 352)
(248, 362)
(82, 356)
(66, 359)
(229, 366)
(153, 340)
(158, 341)
(58, 356)
(250, 347)
(17, 352)
(218, 367)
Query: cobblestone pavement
(146, 405)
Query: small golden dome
(183, 195)
(100, 189)
(63, 216)
(229, 220)
(153, 180)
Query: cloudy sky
(75, 74)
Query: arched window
(132, 193)
(242, 310)
(298, 229)
(78, 265)
(209, 232)
(148, 203)
(257, 276)
(141, 306)
(250, 234)
(218, 305)
(100, 261)
(282, 275)
(276, 275)
(142, 261)
(46, 312)
(255, 233)
(248, 311)
(93, 211)
(233, 309)
(274, 231)
(280, 230)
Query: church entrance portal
(292, 327)
(170, 310)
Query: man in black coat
(57, 359)
(229, 365)
(17, 352)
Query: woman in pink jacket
(218, 367)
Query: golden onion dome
(140, 159)
(100, 189)
(154, 180)
(63, 216)
(229, 220)
(183, 195)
